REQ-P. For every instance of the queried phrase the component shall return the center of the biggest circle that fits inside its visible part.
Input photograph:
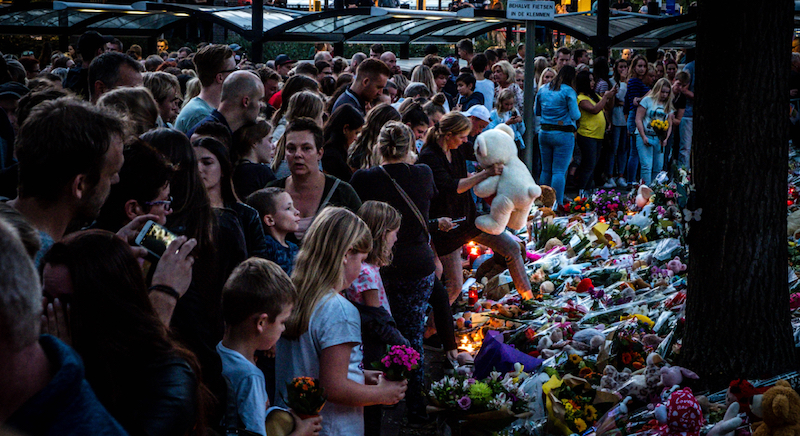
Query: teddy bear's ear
(505, 129)
(480, 147)
(781, 407)
(783, 383)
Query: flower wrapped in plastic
(398, 362)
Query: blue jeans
(651, 157)
(686, 142)
(556, 148)
(619, 151)
(633, 159)
(590, 148)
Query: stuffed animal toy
(780, 408)
(514, 191)
(676, 266)
(793, 223)
(548, 197)
(613, 379)
(644, 386)
(672, 377)
(681, 416)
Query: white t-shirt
(486, 87)
(335, 321)
(246, 387)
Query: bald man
(390, 60)
(239, 102)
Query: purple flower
(464, 403)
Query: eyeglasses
(27, 53)
(229, 71)
(166, 203)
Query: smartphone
(155, 238)
(459, 220)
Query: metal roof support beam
(257, 49)
(601, 42)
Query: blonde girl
(547, 75)
(505, 112)
(383, 221)
(656, 105)
(506, 78)
(323, 335)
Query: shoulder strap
(330, 194)
(409, 202)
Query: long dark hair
(583, 85)
(191, 209)
(224, 159)
(601, 69)
(565, 76)
(344, 115)
(114, 326)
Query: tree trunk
(737, 315)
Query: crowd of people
(313, 213)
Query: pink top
(368, 278)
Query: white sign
(531, 10)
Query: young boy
(256, 302)
(483, 86)
(465, 83)
(279, 217)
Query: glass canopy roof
(363, 25)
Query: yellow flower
(568, 406)
(591, 413)
(575, 359)
(580, 425)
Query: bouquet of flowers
(627, 346)
(495, 393)
(579, 205)
(305, 396)
(608, 201)
(631, 234)
(398, 362)
(660, 127)
(569, 403)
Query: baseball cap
(283, 59)
(235, 47)
(478, 111)
(13, 89)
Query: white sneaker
(610, 183)
(621, 182)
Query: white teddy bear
(514, 190)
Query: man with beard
(69, 154)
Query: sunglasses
(229, 71)
(27, 53)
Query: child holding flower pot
(323, 336)
(655, 106)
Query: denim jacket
(557, 107)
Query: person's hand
(393, 391)
(664, 143)
(644, 140)
(794, 92)
(55, 320)
(494, 170)
(457, 108)
(174, 269)
(131, 230)
(613, 90)
(636, 101)
(445, 224)
(307, 427)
